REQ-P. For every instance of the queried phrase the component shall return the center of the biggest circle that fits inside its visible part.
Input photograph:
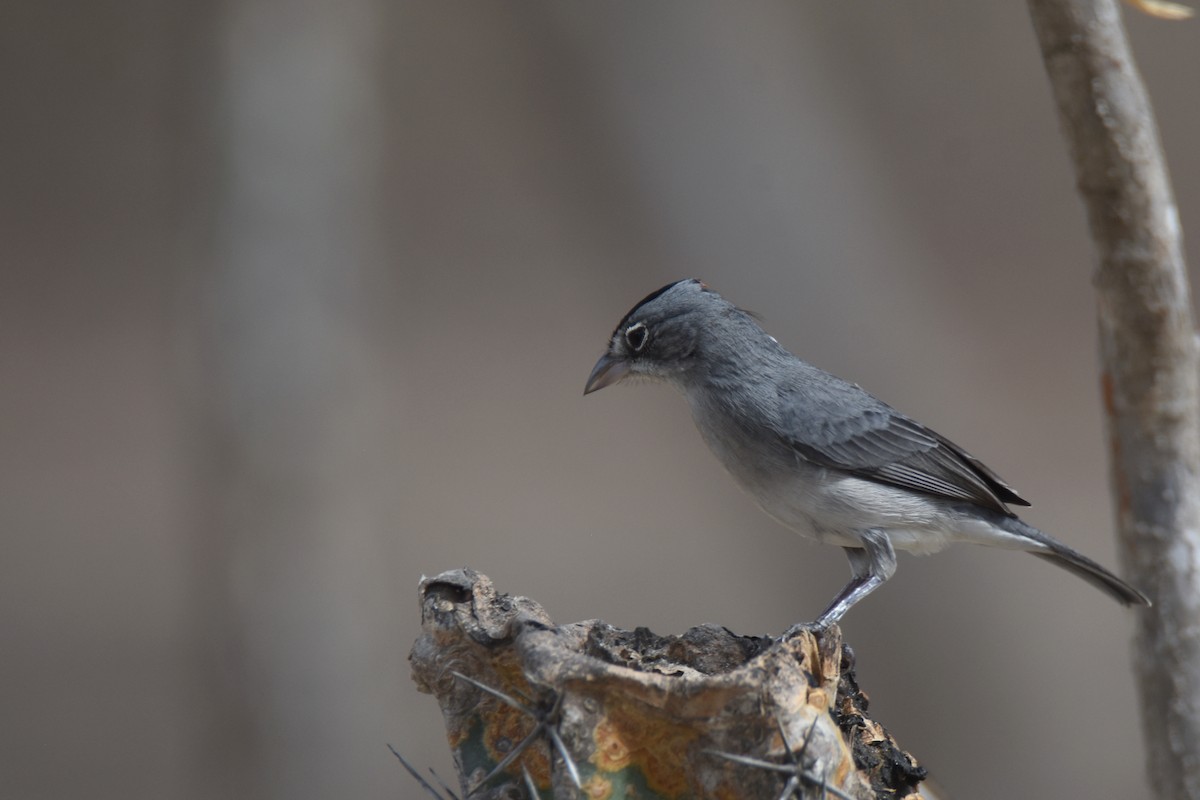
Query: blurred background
(297, 301)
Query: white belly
(836, 509)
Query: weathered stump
(708, 714)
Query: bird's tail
(1060, 555)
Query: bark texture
(709, 714)
(1149, 360)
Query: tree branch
(1149, 360)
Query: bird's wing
(836, 424)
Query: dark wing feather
(838, 425)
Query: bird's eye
(636, 336)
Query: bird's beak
(608, 370)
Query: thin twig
(529, 784)
(417, 776)
(546, 724)
(795, 772)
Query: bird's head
(659, 337)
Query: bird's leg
(870, 566)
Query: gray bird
(819, 454)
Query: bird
(818, 453)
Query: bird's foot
(817, 628)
